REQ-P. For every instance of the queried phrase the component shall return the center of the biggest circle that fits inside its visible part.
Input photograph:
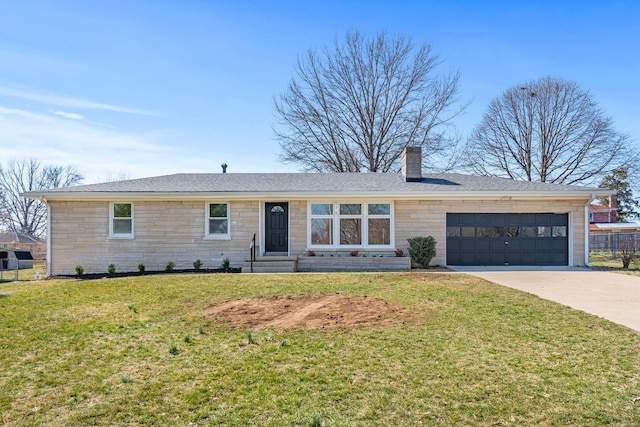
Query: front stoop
(271, 264)
(349, 263)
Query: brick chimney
(412, 164)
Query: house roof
(14, 237)
(615, 226)
(314, 185)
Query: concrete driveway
(614, 296)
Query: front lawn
(140, 351)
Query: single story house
(26, 242)
(15, 259)
(334, 216)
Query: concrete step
(271, 264)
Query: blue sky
(159, 87)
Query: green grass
(604, 260)
(76, 353)
(26, 274)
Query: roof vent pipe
(224, 167)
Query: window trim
(216, 236)
(112, 217)
(364, 227)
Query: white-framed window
(217, 225)
(121, 220)
(350, 225)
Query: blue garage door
(507, 239)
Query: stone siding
(163, 231)
(429, 218)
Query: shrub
(170, 266)
(628, 254)
(311, 253)
(197, 264)
(422, 250)
(111, 268)
(399, 252)
(141, 268)
(250, 338)
(79, 270)
(173, 349)
(354, 253)
(226, 263)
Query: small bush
(354, 253)
(173, 348)
(170, 266)
(311, 253)
(111, 268)
(627, 254)
(197, 264)
(79, 270)
(399, 252)
(422, 250)
(226, 263)
(250, 338)
(141, 268)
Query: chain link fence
(614, 242)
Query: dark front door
(276, 227)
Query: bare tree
(547, 130)
(26, 215)
(123, 175)
(355, 107)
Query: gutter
(43, 200)
(323, 195)
(586, 229)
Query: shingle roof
(15, 237)
(310, 183)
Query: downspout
(586, 230)
(43, 200)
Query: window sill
(222, 237)
(123, 237)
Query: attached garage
(507, 239)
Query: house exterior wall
(297, 227)
(163, 231)
(603, 215)
(429, 218)
(175, 231)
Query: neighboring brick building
(600, 214)
(604, 219)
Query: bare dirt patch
(308, 312)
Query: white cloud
(66, 115)
(69, 102)
(94, 149)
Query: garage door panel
(528, 237)
(558, 245)
(483, 245)
(467, 245)
(497, 245)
